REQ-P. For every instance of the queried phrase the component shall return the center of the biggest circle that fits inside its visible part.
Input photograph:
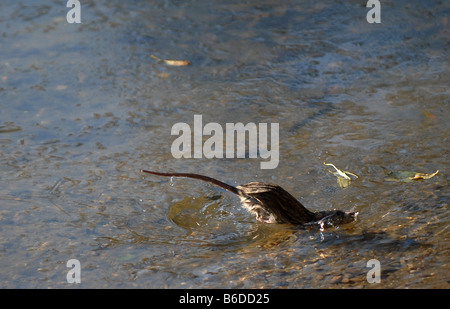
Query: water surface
(84, 107)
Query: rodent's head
(338, 218)
(346, 217)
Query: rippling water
(84, 107)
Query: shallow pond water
(84, 107)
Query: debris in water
(177, 63)
(424, 176)
(408, 176)
(343, 179)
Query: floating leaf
(424, 176)
(178, 63)
(407, 176)
(343, 179)
(340, 173)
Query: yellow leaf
(177, 62)
(423, 175)
(407, 176)
(172, 62)
(340, 173)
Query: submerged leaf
(342, 182)
(399, 176)
(172, 62)
(429, 115)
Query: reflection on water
(85, 107)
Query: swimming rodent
(272, 204)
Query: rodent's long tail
(197, 176)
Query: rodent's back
(275, 200)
